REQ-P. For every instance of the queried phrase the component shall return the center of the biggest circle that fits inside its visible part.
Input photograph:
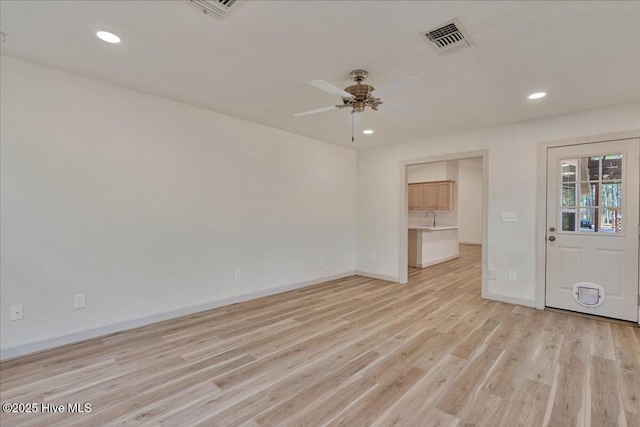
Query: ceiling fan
(360, 95)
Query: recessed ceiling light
(108, 37)
(367, 132)
(537, 95)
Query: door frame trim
(541, 196)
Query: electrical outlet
(236, 275)
(17, 312)
(321, 262)
(373, 258)
(79, 301)
(512, 276)
(493, 275)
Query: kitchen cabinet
(415, 196)
(429, 245)
(436, 195)
(430, 196)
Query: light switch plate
(509, 217)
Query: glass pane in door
(568, 168)
(568, 195)
(588, 220)
(568, 217)
(612, 167)
(589, 168)
(611, 194)
(588, 194)
(611, 220)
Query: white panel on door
(610, 271)
(569, 263)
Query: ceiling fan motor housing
(361, 97)
(360, 92)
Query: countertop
(432, 228)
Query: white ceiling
(256, 63)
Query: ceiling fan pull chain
(353, 125)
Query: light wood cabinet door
(444, 199)
(436, 195)
(415, 196)
(430, 196)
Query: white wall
(148, 206)
(436, 171)
(511, 187)
(470, 200)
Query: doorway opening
(444, 206)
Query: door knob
(552, 238)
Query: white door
(592, 228)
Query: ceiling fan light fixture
(358, 106)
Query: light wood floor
(351, 352)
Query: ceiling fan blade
(397, 86)
(404, 110)
(328, 87)
(317, 110)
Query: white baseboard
(377, 276)
(86, 334)
(429, 264)
(509, 299)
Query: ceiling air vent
(219, 8)
(448, 37)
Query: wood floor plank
(601, 340)
(332, 404)
(433, 417)
(474, 339)
(567, 405)
(518, 358)
(352, 351)
(485, 409)
(545, 356)
(380, 399)
(404, 354)
(151, 412)
(418, 402)
(342, 364)
(461, 392)
(607, 408)
(313, 391)
(527, 406)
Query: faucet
(434, 217)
